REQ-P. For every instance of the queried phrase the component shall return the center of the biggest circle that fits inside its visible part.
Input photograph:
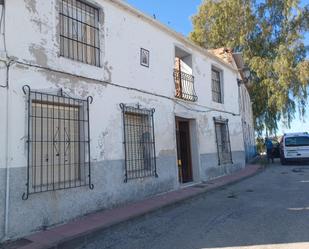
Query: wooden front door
(184, 150)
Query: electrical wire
(100, 81)
(9, 62)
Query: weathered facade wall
(32, 41)
(247, 123)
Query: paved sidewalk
(65, 236)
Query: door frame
(190, 159)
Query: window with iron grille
(79, 31)
(216, 85)
(139, 142)
(223, 141)
(184, 84)
(58, 142)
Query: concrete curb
(78, 232)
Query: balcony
(184, 85)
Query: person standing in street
(269, 149)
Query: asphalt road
(269, 210)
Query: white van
(294, 147)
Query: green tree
(270, 34)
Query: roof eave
(164, 28)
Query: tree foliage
(270, 34)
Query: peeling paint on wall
(146, 100)
(31, 6)
(56, 38)
(73, 83)
(41, 22)
(38, 23)
(40, 54)
(108, 72)
(100, 145)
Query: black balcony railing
(184, 84)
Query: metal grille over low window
(216, 86)
(79, 31)
(58, 142)
(139, 142)
(223, 141)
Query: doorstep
(65, 236)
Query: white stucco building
(247, 121)
(245, 104)
(102, 105)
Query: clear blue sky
(177, 15)
(174, 13)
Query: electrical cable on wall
(10, 61)
(209, 109)
(204, 111)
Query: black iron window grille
(79, 31)
(223, 141)
(216, 85)
(139, 142)
(58, 155)
(184, 84)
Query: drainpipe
(240, 106)
(7, 141)
(7, 193)
(6, 151)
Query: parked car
(294, 147)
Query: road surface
(269, 210)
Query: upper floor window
(183, 77)
(216, 85)
(79, 32)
